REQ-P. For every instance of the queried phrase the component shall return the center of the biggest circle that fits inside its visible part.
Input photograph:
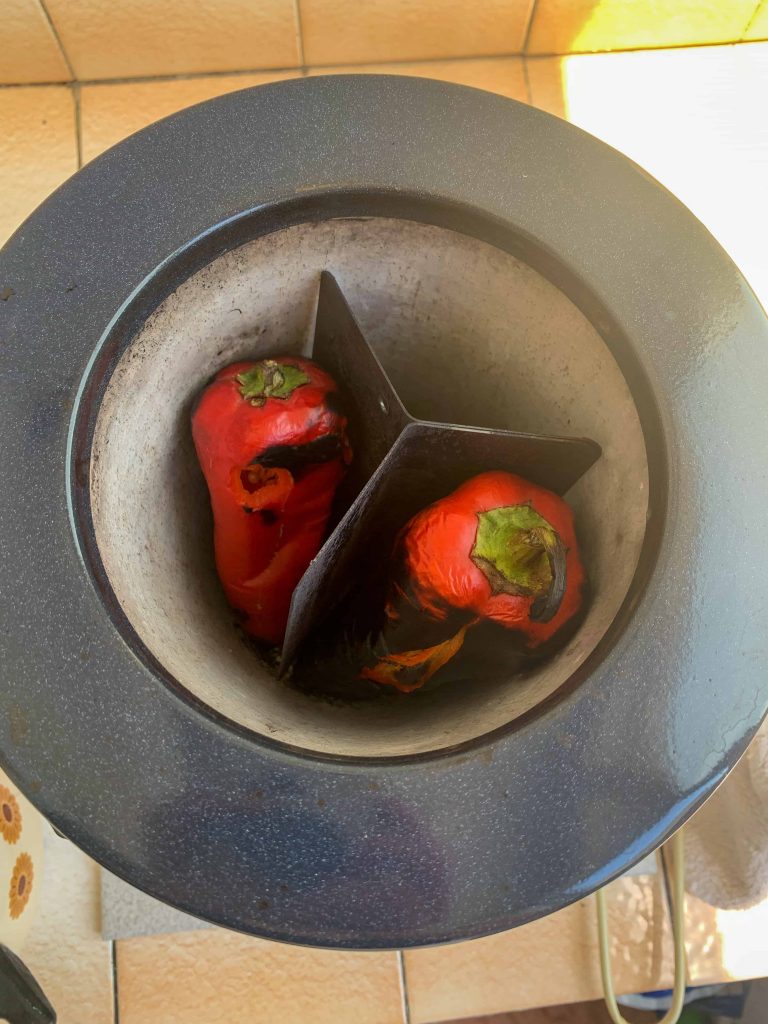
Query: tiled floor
(334, 30)
(38, 148)
(141, 37)
(504, 75)
(694, 118)
(51, 40)
(218, 977)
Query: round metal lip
(386, 854)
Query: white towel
(726, 841)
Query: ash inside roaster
(468, 333)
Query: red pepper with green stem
(272, 444)
(497, 548)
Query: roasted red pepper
(497, 548)
(273, 447)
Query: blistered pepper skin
(439, 542)
(498, 548)
(272, 444)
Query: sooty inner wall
(469, 334)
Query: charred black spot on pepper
(295, 457)
(268, 516)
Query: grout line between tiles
(76, 96)
(115, 992)
(57, 37)
(529, 26)
(753, 15)
(527, 80)
(404, 987)
(298, 70)
(300, 34)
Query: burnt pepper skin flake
(272, 444)
(498, 548)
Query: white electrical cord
(678, 935)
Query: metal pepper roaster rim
(382, 853)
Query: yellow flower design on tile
(10, 816)
(21, 885)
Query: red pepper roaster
(272, 444)
(498, 548)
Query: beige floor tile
(758, 25)
(693, 118)
(551, 961)
(583, 26)
(107, 39)
(29, 51)
(38, 148)
(504, 75)
(65, 951)
(111, 112)
(220, 977)
(350, 32)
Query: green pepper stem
(270, 379)
(521, 554)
